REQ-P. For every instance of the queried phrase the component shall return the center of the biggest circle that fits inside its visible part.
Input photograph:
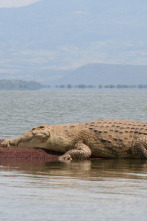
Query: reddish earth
(27, 154)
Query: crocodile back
(117, 132)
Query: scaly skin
(101, 138)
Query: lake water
(89, 190)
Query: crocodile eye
(42, 126)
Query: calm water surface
(89, 190)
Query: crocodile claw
(65, 157)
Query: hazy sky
(15, 3)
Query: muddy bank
(27, 153)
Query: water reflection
(89, 170)
(89, 190)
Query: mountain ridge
(68, 34)
(107, 74)
(93, 73)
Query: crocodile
(80, 141)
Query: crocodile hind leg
(81, 152)
(140, 148)
(36, 137)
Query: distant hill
(19, 85)
(90, 74)
(104, 74)
(39, 39)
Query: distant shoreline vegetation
(33, 85)
(111, 86)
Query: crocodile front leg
(82, 152)
(36, 137)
